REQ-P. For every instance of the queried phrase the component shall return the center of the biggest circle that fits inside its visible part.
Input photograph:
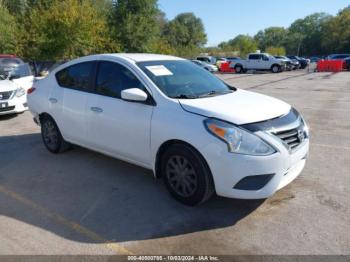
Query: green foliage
(241, 44)
(135, 24)
(336, 37)
(15, 7)
(8, 27)
(272, 36)
(185, 33)
(273, 50)
(309, 31)
(65, 30)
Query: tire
(186, 175)
(52, 137)
(239, 69)
(275, 68)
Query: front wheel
(52, 137)
(275, 68)
(186, 175)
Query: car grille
(5, 95)
(292, 137)
(5, 109)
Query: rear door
(118, 127)
(254, 61)
(265, 62)
(68, 100)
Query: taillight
(31, 90)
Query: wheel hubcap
(50, 134)
(181, 176)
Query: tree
(185, 33)
(15, 7)
(272, 36)
(135, 24)
(65, 30)
(243, 44)
(273, 50)
(309, 33)
(7, 31)
(336, 36)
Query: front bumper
(228, 169)
(15, 105)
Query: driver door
(118, 127)
(265, 62)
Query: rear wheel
(52, 137)
(238, 69)
(186, 175)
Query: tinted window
(340, 56)
(265, 58)
(254, 57)
(14, 61)
(22, 70)
(76, 76)
(112, 78)
(204, 59)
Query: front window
(113, 78)
(15, 71)
(183, 79)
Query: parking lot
(82, 202)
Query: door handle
(53, 100)
(96, 109)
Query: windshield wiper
(183, 96)
(214, 93)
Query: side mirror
(43, 73)
(134, 94)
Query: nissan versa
(167, 114)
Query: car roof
(145, 57)
(7, 56)
(131, 58)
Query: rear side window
(254, 57)
(113, 78)
(76, 76)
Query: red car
(7, 56)
(347, 63)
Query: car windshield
(16, 71)
(183, 79)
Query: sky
(225, 19)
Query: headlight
(20, 92)
(238, 140)
(305, 128)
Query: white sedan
(14, 83)
(166, 114)
(209, 67)
(12, 98)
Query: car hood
(240, 107)
(7, 85)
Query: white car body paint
(134, 132)
(13, 104)
(240, 107)
(265, 62)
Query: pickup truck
(258, 61)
